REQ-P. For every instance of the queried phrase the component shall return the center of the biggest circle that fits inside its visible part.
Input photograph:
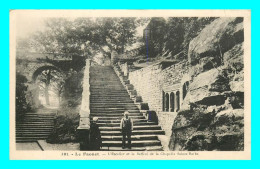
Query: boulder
(215, 39)
(207, 87)
(201, 131)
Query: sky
(29, 24)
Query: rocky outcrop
(212, 114)
(207, 50)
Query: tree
(86, 36)
(118, 32)
(51, 80)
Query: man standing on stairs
(126, 127)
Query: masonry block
(138, 99)
(125, 82)
(143, 106)
(129, 87)
(132, 93)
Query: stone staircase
(108, 101)
(35, 126)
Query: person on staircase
(95, 136)
(126, 127)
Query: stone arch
(172, 100)
(40, 69)
(34, 75)
(177, 101)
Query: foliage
(21, 104)
(91, 36)
(65, 129)
(86, 36)
(173, 35)
(67, 120)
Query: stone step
(109, 92)
(118, 120)
(33, 134)
(136, 137)
(29, 139)
(38, 117)
(117, 112)
(34, 127)
(108, 95)
(36, 121)
(145, 148)
(114, 81)
(115, 99)
(133, 143)
(25, 134)
(98, 90)
(104, 81)
(112, 111)
(114, 107)
(135, 132)
(30, 120)
(136, 123)
(105, 84)
(111, 104)
(154, 127)
(114, 114)
(44, 112)
(110, 101)
(97, 101)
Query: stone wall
(211, 116)
(151, 81)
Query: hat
(95, 118)
(126, 113)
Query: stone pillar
(175, 102)
(177, 98)
(114, 57)
(126, 70)
(170, 100)
(84, 123)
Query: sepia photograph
(165, 83)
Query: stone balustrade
(85, 104)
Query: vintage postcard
(130, 84)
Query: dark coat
(95, 137)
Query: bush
(21, 105)
(65, 129)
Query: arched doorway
(50, 82)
